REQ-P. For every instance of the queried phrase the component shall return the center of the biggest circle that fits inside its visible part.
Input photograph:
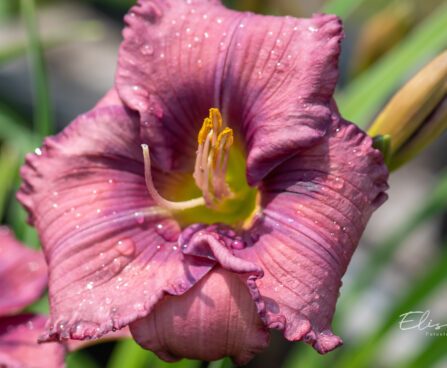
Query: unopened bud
(417, 114)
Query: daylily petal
(73, 345)
(23, 274)
(111, 253)
(315, 208)
(19, 347)
(214, 319)
(271, 77)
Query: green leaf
(43, 113)
(185, 363)
(41, 306)
(127, 353)
(223, 363)
(80, 359)
(362, 98)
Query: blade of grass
(43, 113)
(342, 8)
(362, 98)
(432, 353)
(9, 164)
(363, 354)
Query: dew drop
(237, 244)
(38, 151)
(313, 29)
(147, 50)
(126, 247)
(89, 286)
(139, 217)
(116, 265)
(55, 205)
(219, 20)
(206, 34)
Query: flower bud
(417, 114)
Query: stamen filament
(212, 158)
(162, 202)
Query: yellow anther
(206, 128)
(223, 144)
(227, 133)
(216, 119)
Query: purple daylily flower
(23, 278)
(243, 221)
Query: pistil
(162, 202)
(214, 143)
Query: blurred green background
(57, 58)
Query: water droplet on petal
(38, 151)
(147, 50)
(116, 265)
(237, 244)
(139, 216)
(313, 29)
(126, 247)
